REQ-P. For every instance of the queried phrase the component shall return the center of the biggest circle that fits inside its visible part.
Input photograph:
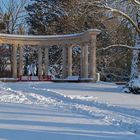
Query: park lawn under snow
(68, 111)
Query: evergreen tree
(44, 16)
(74, 16)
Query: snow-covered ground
(68, 111)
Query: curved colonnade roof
(47, 39)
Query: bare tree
(12, 16)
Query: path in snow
(63, 114)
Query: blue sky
(5, 2)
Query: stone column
(81, 62)
(69, 60)
(85, 66)
(92, 65)
(93, 58)
(39, 62)
(20, 61)
(46, 61)
(91, 36)
(14, 61)
(64, 59)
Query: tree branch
(136, 2)
(123, 15)
(119, 45)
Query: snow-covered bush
(134, 86)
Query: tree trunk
(135, 60)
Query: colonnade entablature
(86, 40)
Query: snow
(135, 83)
(68, 111)
(2, 79)
(72, 78)
(133, 86)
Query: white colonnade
(86, 40)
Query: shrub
(134, 86)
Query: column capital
(93, 32)
(70, 46)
